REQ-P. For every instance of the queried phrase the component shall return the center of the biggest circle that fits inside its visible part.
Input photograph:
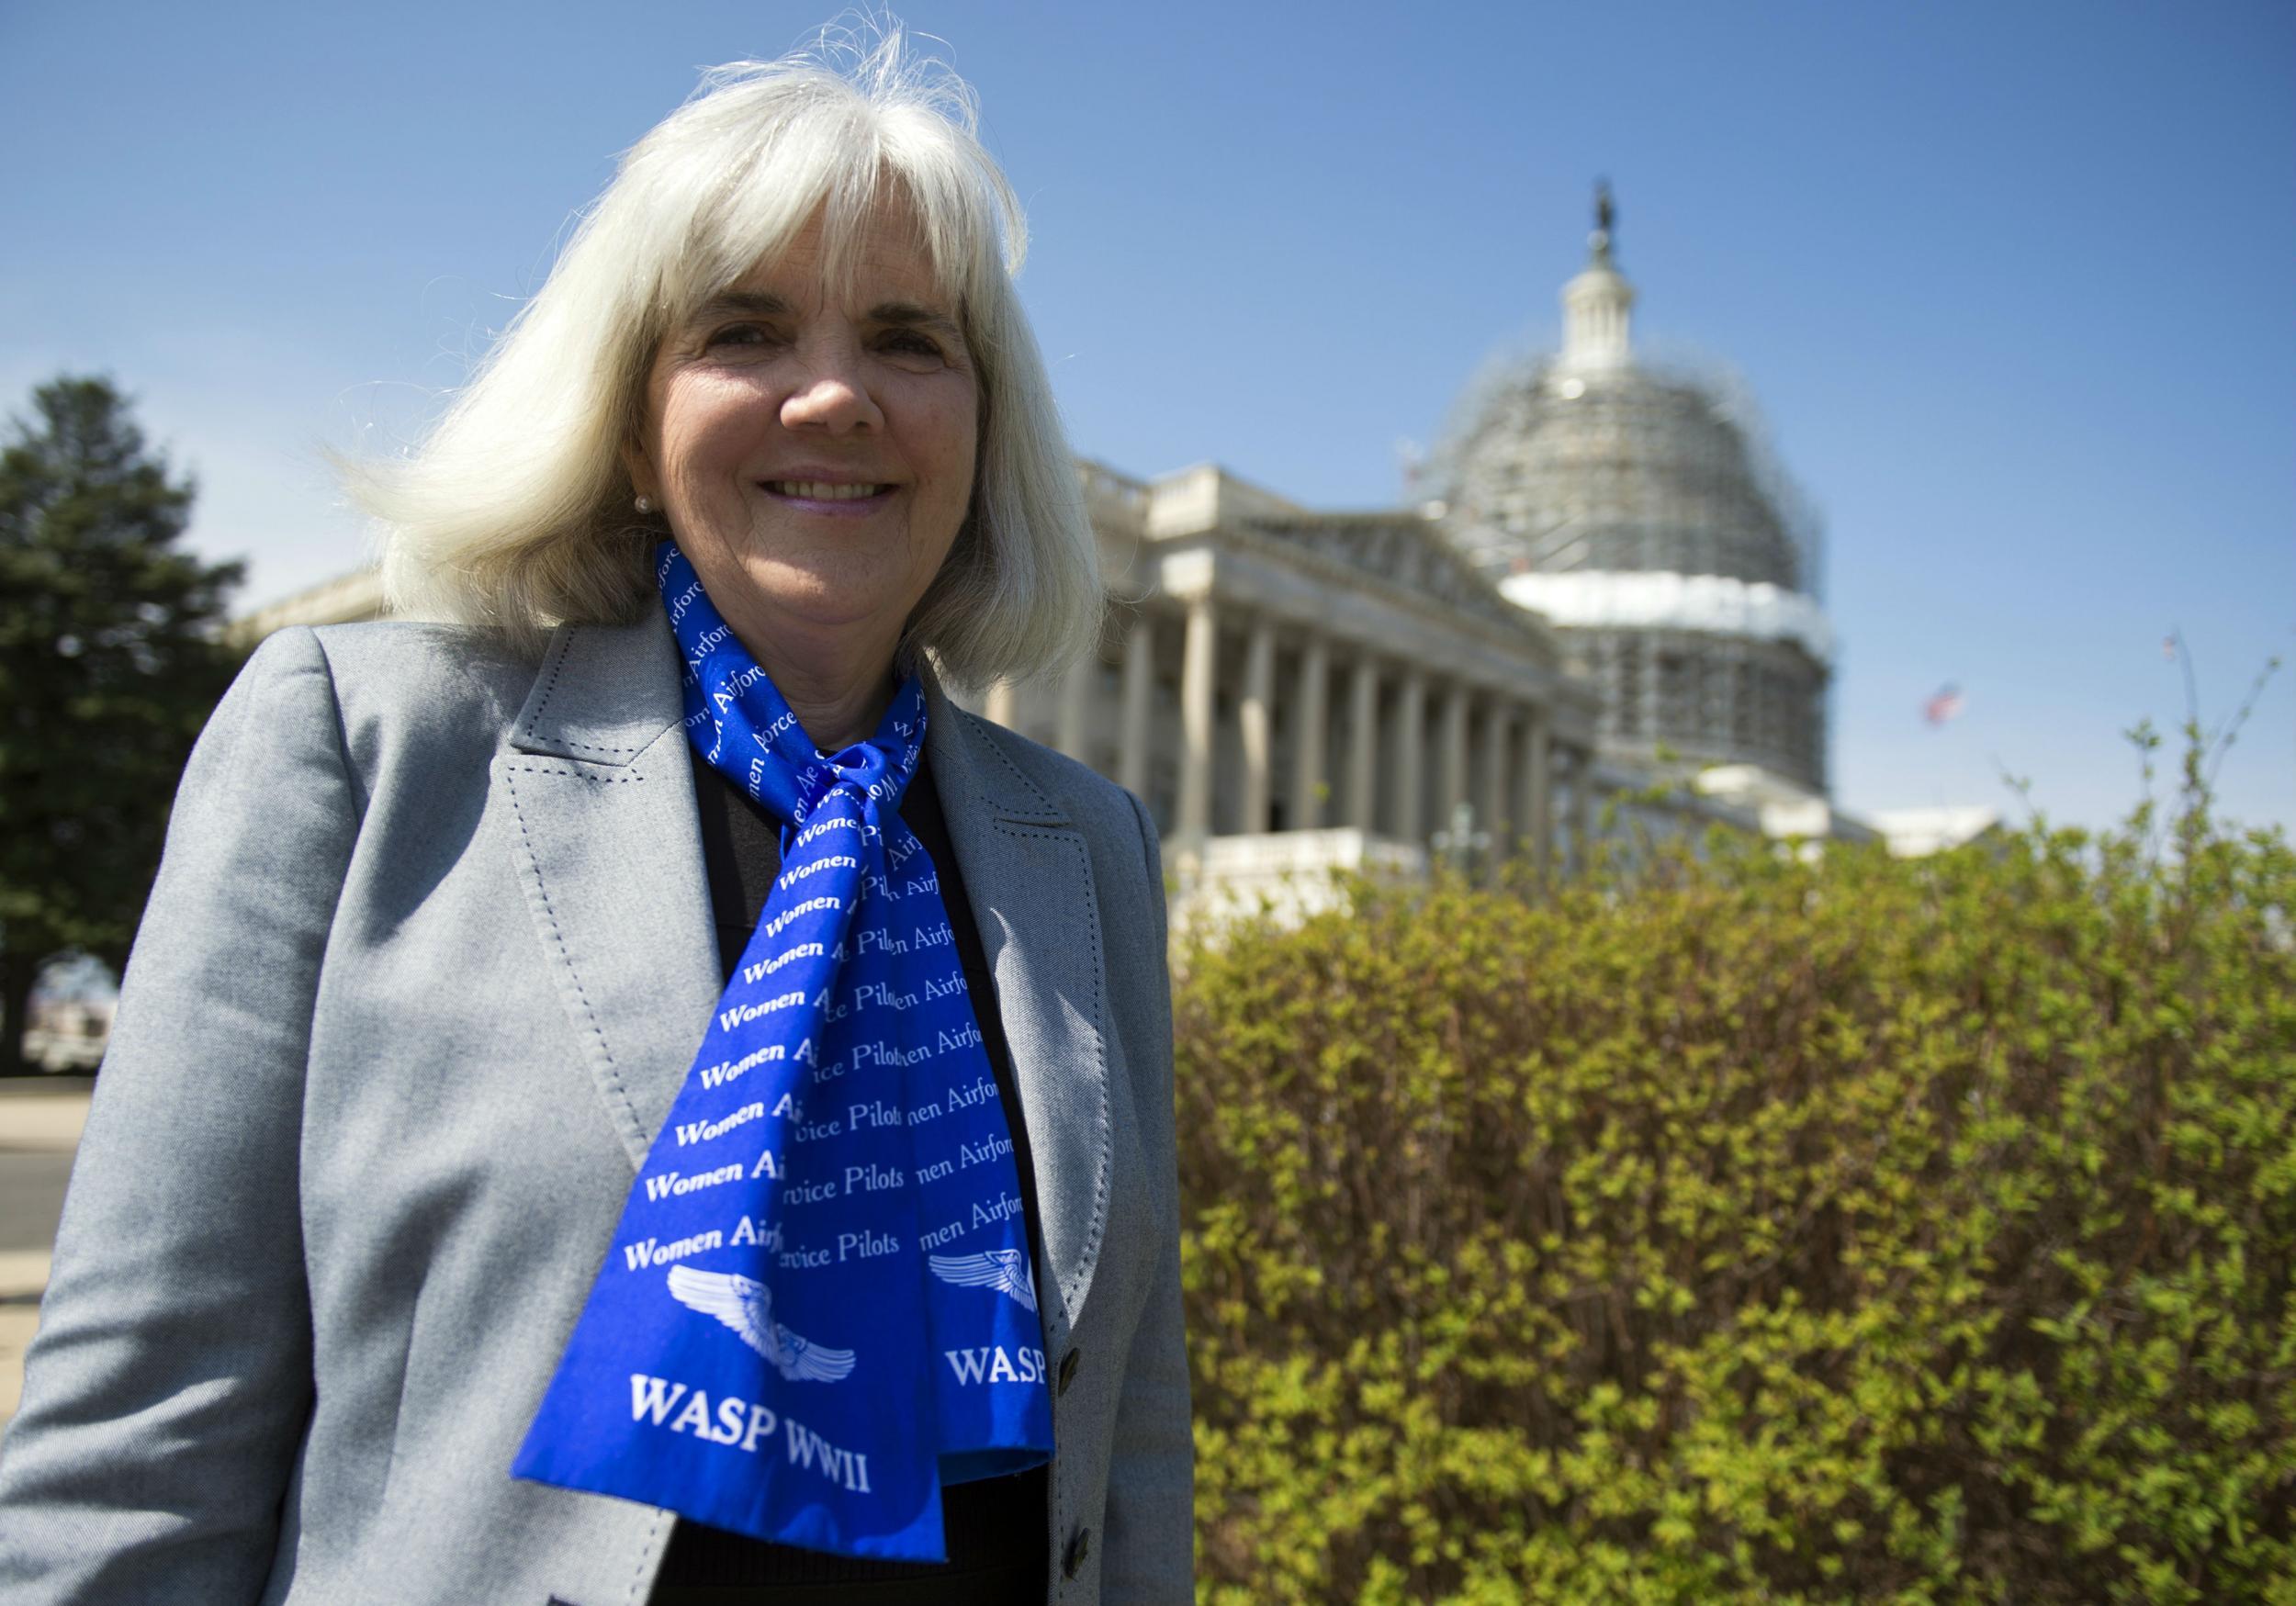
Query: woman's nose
(832, 394)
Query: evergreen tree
(110, 660)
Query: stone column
(1454, 777)
(1582, 808)
(1198, 664)
(1410, 758)
(1139, 691)
(1307, 758)
(1536, 810)
(1075, 712)
(1491, 742)
(1647, 658)
(1363, 743)
(1003, 705)
(1256, 715)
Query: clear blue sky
(2012, 282)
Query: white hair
(516, 512)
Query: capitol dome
(1637, 510)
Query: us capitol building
(1609, 584)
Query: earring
(645, 505)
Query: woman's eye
(736, 334)
(909, 343)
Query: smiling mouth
(818, 491)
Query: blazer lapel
(1028, 874)
(599, 793)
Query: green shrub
(1758, 1230)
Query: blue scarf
(819, 1307)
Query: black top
(997, 1527)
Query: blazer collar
(968, 764)
(600, 791)
(605, 693)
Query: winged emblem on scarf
(747, 1306)
(1006, 1270)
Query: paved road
(31, 1194)
(40, 1127)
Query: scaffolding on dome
(1653, 467)
(1641, 508)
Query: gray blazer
(427, 959)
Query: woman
(355, 1296)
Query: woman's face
(813, 449)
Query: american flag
(1943, 706)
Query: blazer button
(1079, 1547)
(1068, 1370)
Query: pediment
(1402, 550)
